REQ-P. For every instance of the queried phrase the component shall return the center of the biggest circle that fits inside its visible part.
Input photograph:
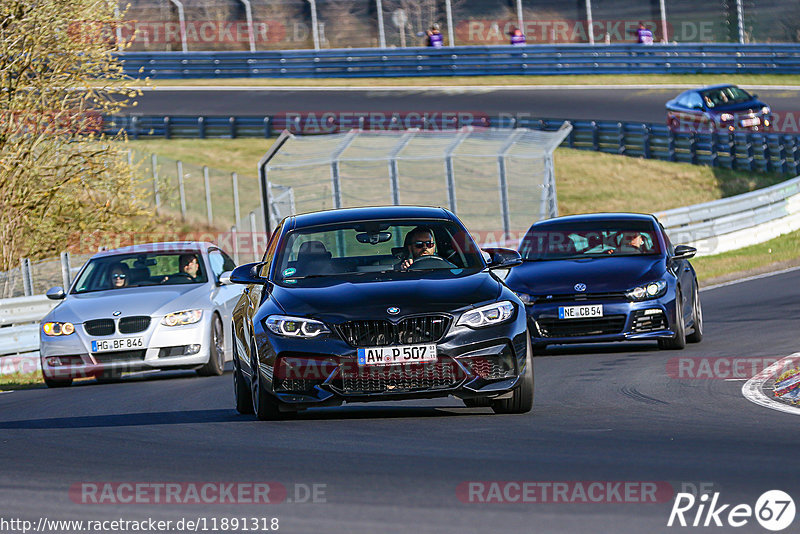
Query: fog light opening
(53, 361)
(652, 311)
(192, 349)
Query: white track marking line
(752, 388)
(750, 278)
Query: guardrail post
(232, 121)
(66, 275)
(733, 150)
(671, 156)
(207, 184)
(571, 138)
(620, 139)
(751, 160)
(27, 276)
(235, 185)
(595, 136)
(181, 191)
(693, 147)
(782, 165)
(135, 126)
(167, 123)
(267, 127)
(793, 154)
(201, 127)
(646, 132)
(156, 194)
(714, 148)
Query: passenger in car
(118, 275)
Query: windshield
(589, 239)
(725, 95)
(377, 247)
(135, 270)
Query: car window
(723, 96)
(374, 247)
(694, 101)
(683, 100)
(145, 269)
(589, 239)
(220, 262)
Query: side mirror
(56, 293)
(684, 252)
(247, 274)
(225, 279)
(503, 258)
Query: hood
(601, 275)
(338, 299)
(149, 300)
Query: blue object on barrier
(715, 58)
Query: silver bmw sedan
(153, 306)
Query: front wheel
(678, 342)
(697, 319)
(521, 400)
(241, 393)
(216, 350)
(265, 406)
(56, 382)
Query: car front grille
(121, 356)
(99, 327)
(650, 322)
(131, 325)
(443, 374)
(582, 297)
(552, 327)
(377, 333)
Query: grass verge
(21, 381)
(779, 253)
(462, 81)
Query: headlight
(488, 315)
(527, 300)
(182, 317)
(295, 326)
(648, 291)
(765, 110)
(726, 117)
(58, 329)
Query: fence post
(235, 240)
(253, 234)
(156, 194)
(27, 276)
(232, 122)
(267, 127)
(620, 139)
(448, 167)
(646, 141)
(207, 184)
(714, 146)
(66, 275)
(595, 136)
(166, 127)
(235, 185)
(201, 127)
(181, 190)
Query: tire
(678, 342)
(216, 350)
(697, 318)
(265, 406)
(242, 397)
(521, 400)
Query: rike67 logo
(774, 510)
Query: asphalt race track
(638, 105)
(603, 413)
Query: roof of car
(621, 216)
(717, 86)
(369, 214)
(166, 246)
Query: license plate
(580, 312)
(398, 354)
(755, 121)
(124, 343)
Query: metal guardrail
(19, 332)
(471, 61)
(758, 152)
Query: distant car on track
(718, 108)
(153, 306)
(607, 277)
(334, 314)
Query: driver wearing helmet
(418, 242)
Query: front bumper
(163, 347)
(621, 321)
(321, 372)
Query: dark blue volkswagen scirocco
(380, 303)
(607, 277)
